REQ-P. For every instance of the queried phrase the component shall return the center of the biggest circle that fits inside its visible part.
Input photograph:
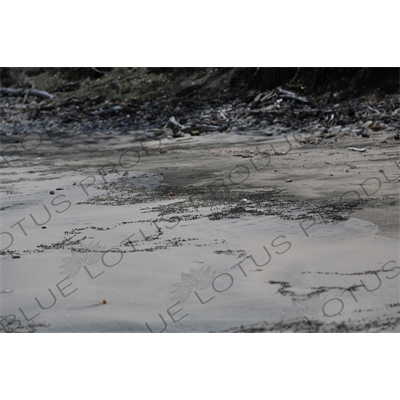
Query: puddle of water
(330, 259)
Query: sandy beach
(221, 232)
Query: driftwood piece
(375, 111)
(266, 110)
(291, 95)
(356, 149)
(26, 92)
(262, 98)
(174, 125)
(194, 129)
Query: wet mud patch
(283, 286)
(10, 325)
(229, 252)
(184, 203)
(388, 324)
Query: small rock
(52, 192)
(8, 291)
(288, 180)
(60, 188)
(16, 255)
(44, 227)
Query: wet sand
(220, 232)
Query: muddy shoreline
(173, 204)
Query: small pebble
(16, 255)
(52, 192)
(60, 188)
(288, 180)
(44, 227)
(8, 291)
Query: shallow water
(280, 260)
